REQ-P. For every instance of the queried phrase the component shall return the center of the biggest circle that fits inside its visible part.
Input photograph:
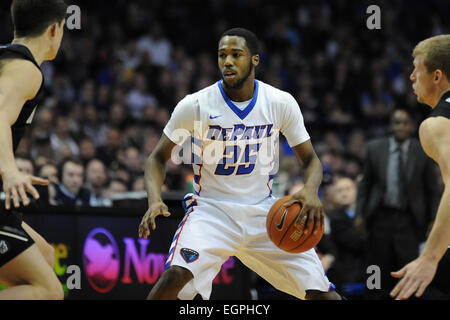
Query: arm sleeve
(293, 126)
(181, 123)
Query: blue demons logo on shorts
(189, 255)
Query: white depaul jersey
(234, 150)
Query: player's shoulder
(194, 97)
(434, 134)
(190, 101)
(20, 66)
(435, 127)
(21, 70)
(275, 94)
(21, 73)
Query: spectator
(92, 127)
(70, 192)
(138, 184)
(25, 165)
(42, 148)
(96, 180)
(87, 150)
(108, 153)
(62, 143)
(115, 186)
(132, 161)
(348, 237)
(156, 46)
(139, 97)
(398, 197)
(50, 172)
(130, 56)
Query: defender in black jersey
(26, 259)
(431, 84)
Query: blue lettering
(213, 132)
(238, 129)
(248, 133)
(249, 157)
(269, 130)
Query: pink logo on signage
(101, 260)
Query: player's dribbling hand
(154, 210)
(17, 184)
(311, 205)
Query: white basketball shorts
(213, 230)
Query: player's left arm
(417, 275)
(293, 128)
(309, 195)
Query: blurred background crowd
(115, 82)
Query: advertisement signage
(112, 262)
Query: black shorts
(13, 238)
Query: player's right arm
(155, 173)
(179, 127)
(435, 138)
(434, 135)
(20, 81)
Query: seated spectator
(108, 152)
(96, 180)
(348, 236)
(70, 192)
(115, 186)
(139, 96)
(25, 165)
(138, 184)
(62, 143)
(50, 172)
(87, 150)
(133, 162)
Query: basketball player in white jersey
(233, 125)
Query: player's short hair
(436, 53)
(32, 17)
(250, 38)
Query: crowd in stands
(112, 88)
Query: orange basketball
(285, 228)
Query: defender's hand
(154, 210)
(311, 205)
(416, 276)
(17, 184)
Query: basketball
(285, 228)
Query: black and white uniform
(13, 238)
(439, 288)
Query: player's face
(422, 81)
(235, 61)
